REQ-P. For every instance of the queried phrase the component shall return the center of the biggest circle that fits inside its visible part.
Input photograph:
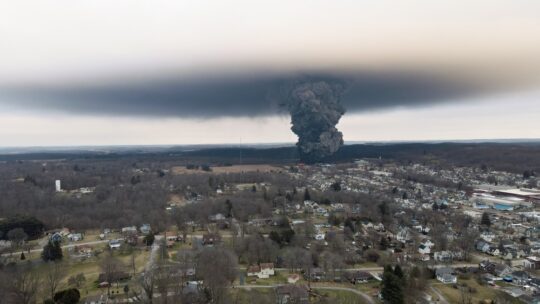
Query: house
(422, 229)
(129, 230)
(5, 244)
(358, 277)
(293, 278)
(487, 236)
(447, 256)
(145, 229)
(494, 251)
(85, 250)
(442, 256)
(75, 237)
(172, 238)
(404, 235)
(211, 239)
(446, 275)
(501, 270)
(520, 277)
(315, 275)
(56, 237)
(482, 246)
(105, 280)
(267, 269)
(191, 291)
(115, 244)
(489, 278)
(424, 250)
(531, 262)
(216, 217)
(487, 266)
(424, 257)
(64, 232)
(320, 236)
(262, 271)
(189, 272)
(288, 294)
(132, 239)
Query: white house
(446, 275)
(488, 236)
(75, 237)
(263, 271)
(531, 262)
(131, 229)
(425, 247)
(115, 244)
(145, 229)
(403, 235)
(320, 237)
(293, 278)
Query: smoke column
(315, 110)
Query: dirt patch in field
(229, 169)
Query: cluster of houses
(523, 284)
(64, 234)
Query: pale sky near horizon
(95, 72)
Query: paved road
(153, 253)
(364, 296)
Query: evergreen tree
(384, 243)
(68, 296)
(149, 239)
(229, 207)
(392, 288)
(274, 236)
(307, 196)
(349, 223)
(399, 273)
(485, 220)
(336, 186)
(52, 251)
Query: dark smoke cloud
(315, 110)
(250, 95)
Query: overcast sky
(193, 72)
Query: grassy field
(477, 294)
(264, 296)
(336, 296)
(245, 296)
(90, 267)
(279, 278)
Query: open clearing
(229, 169)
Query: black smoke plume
(315, 110)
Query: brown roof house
(288, 294)
(262, 271)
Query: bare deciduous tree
(54, 273)
(218, 269)
(111, 268)
(22, 285)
